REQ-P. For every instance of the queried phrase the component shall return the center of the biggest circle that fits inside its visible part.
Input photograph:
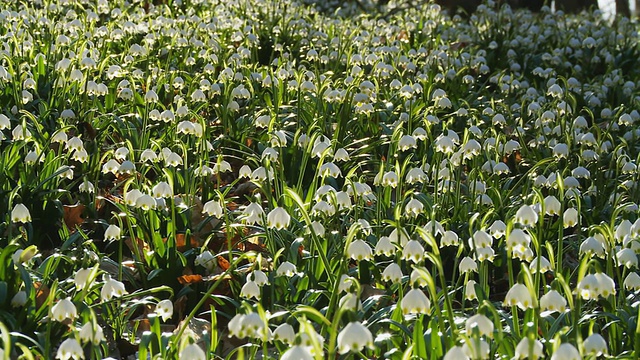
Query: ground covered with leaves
(260, 179)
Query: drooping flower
(519, 295)
(529, 349)
(278, 218)
(553, 301)
(164, 309)
(70, 349)
(20, 214)
(359, 250)
(63, 310)
(111, 288)
(354, 337)
(193, 352)
(482, 323)
(415, 302)
(566, 351)
(595, 345)
(89, 334)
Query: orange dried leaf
(73, 215)
(189, 279)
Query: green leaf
(419, 345)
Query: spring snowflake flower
(250, 290)
(286, 269)
(526, 216)
(529, 349)
(467, 264)
(297, 353)
(81, 279)
(359, 250)
(407, 142)
(415, 302)
(70, 349)
(111, 288)
(456, 353)
(545, 265)
(413, 251)
(632, 281)
(392, 273)
(591, 246)
(164, 309)
(470, 290)
(253, 213)
(19, 299)
(482, 323)
(552, 205)
(384, 247)
(627, 257)
(354, 337)
(415, 175)
(570, 218)
(414, 207)
(193, 352)
(390, 178)
(162, 190)
(20, 214)
(518, 295)
(278, 218)
(595, 345)
(285, 333)
(89, 335)
(476, 349)
(449, 238)
(566, 351)
(63, 310)
(213, 208)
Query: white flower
(414, 207)
(354, 337)
(595, 344)
(250, 290)
(551, 205)
(566, 351)
(476, 349)
(82, 278)
(632, 281)
(413, 251)
(162, 190)
(359, 250)
(297, 353)
(470, 290)
(164, 309)
(253, 213)
(63, 310)
(627, 257)
(213, 208)
(285, 333)
(193, 352)
(591, 246)
(529, 349)
(278, 218)
(19, 299)
(482, 323)
(467, 264)
(111, 288)
(392, 273)
(70, 349)
(87, 333)
(519, 295)
(407, 142)
(286, 269)
(112, 232)
(415, 302)
(384, 247)
(526, 216)
(456, 353)
(570, 218)
(20, 213)
(390, 178)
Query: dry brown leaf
(73, 216)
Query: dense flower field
(257, 179)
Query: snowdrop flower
(278, 218)
(354, 337)
(193, 352)
(63, 310)
(415, 302)
(19, 299)
(20, 214)
(566, 351)
(70, 349)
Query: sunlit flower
(354, 337)
(286, 269)
(529, 349)
(632, 281)
(480, 322)
(250, 290)
(384, 247)
(70, 349)
(476, 349)
(111, 288)
(591, 246)
(297, 353)
(570, 218)
(89, 334)
(253, 213)
(470, 290)
(213, 208)
(193, 352)
(595, 344)
(278, 218)
(553, 301)
(20, 214)
(413, 251)
(467, 264)
(63, 310)
(627, 257)
(566, 351)
(518, 295)
(414, 207)
(415, 302)
(526, 216)
(359, 250)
